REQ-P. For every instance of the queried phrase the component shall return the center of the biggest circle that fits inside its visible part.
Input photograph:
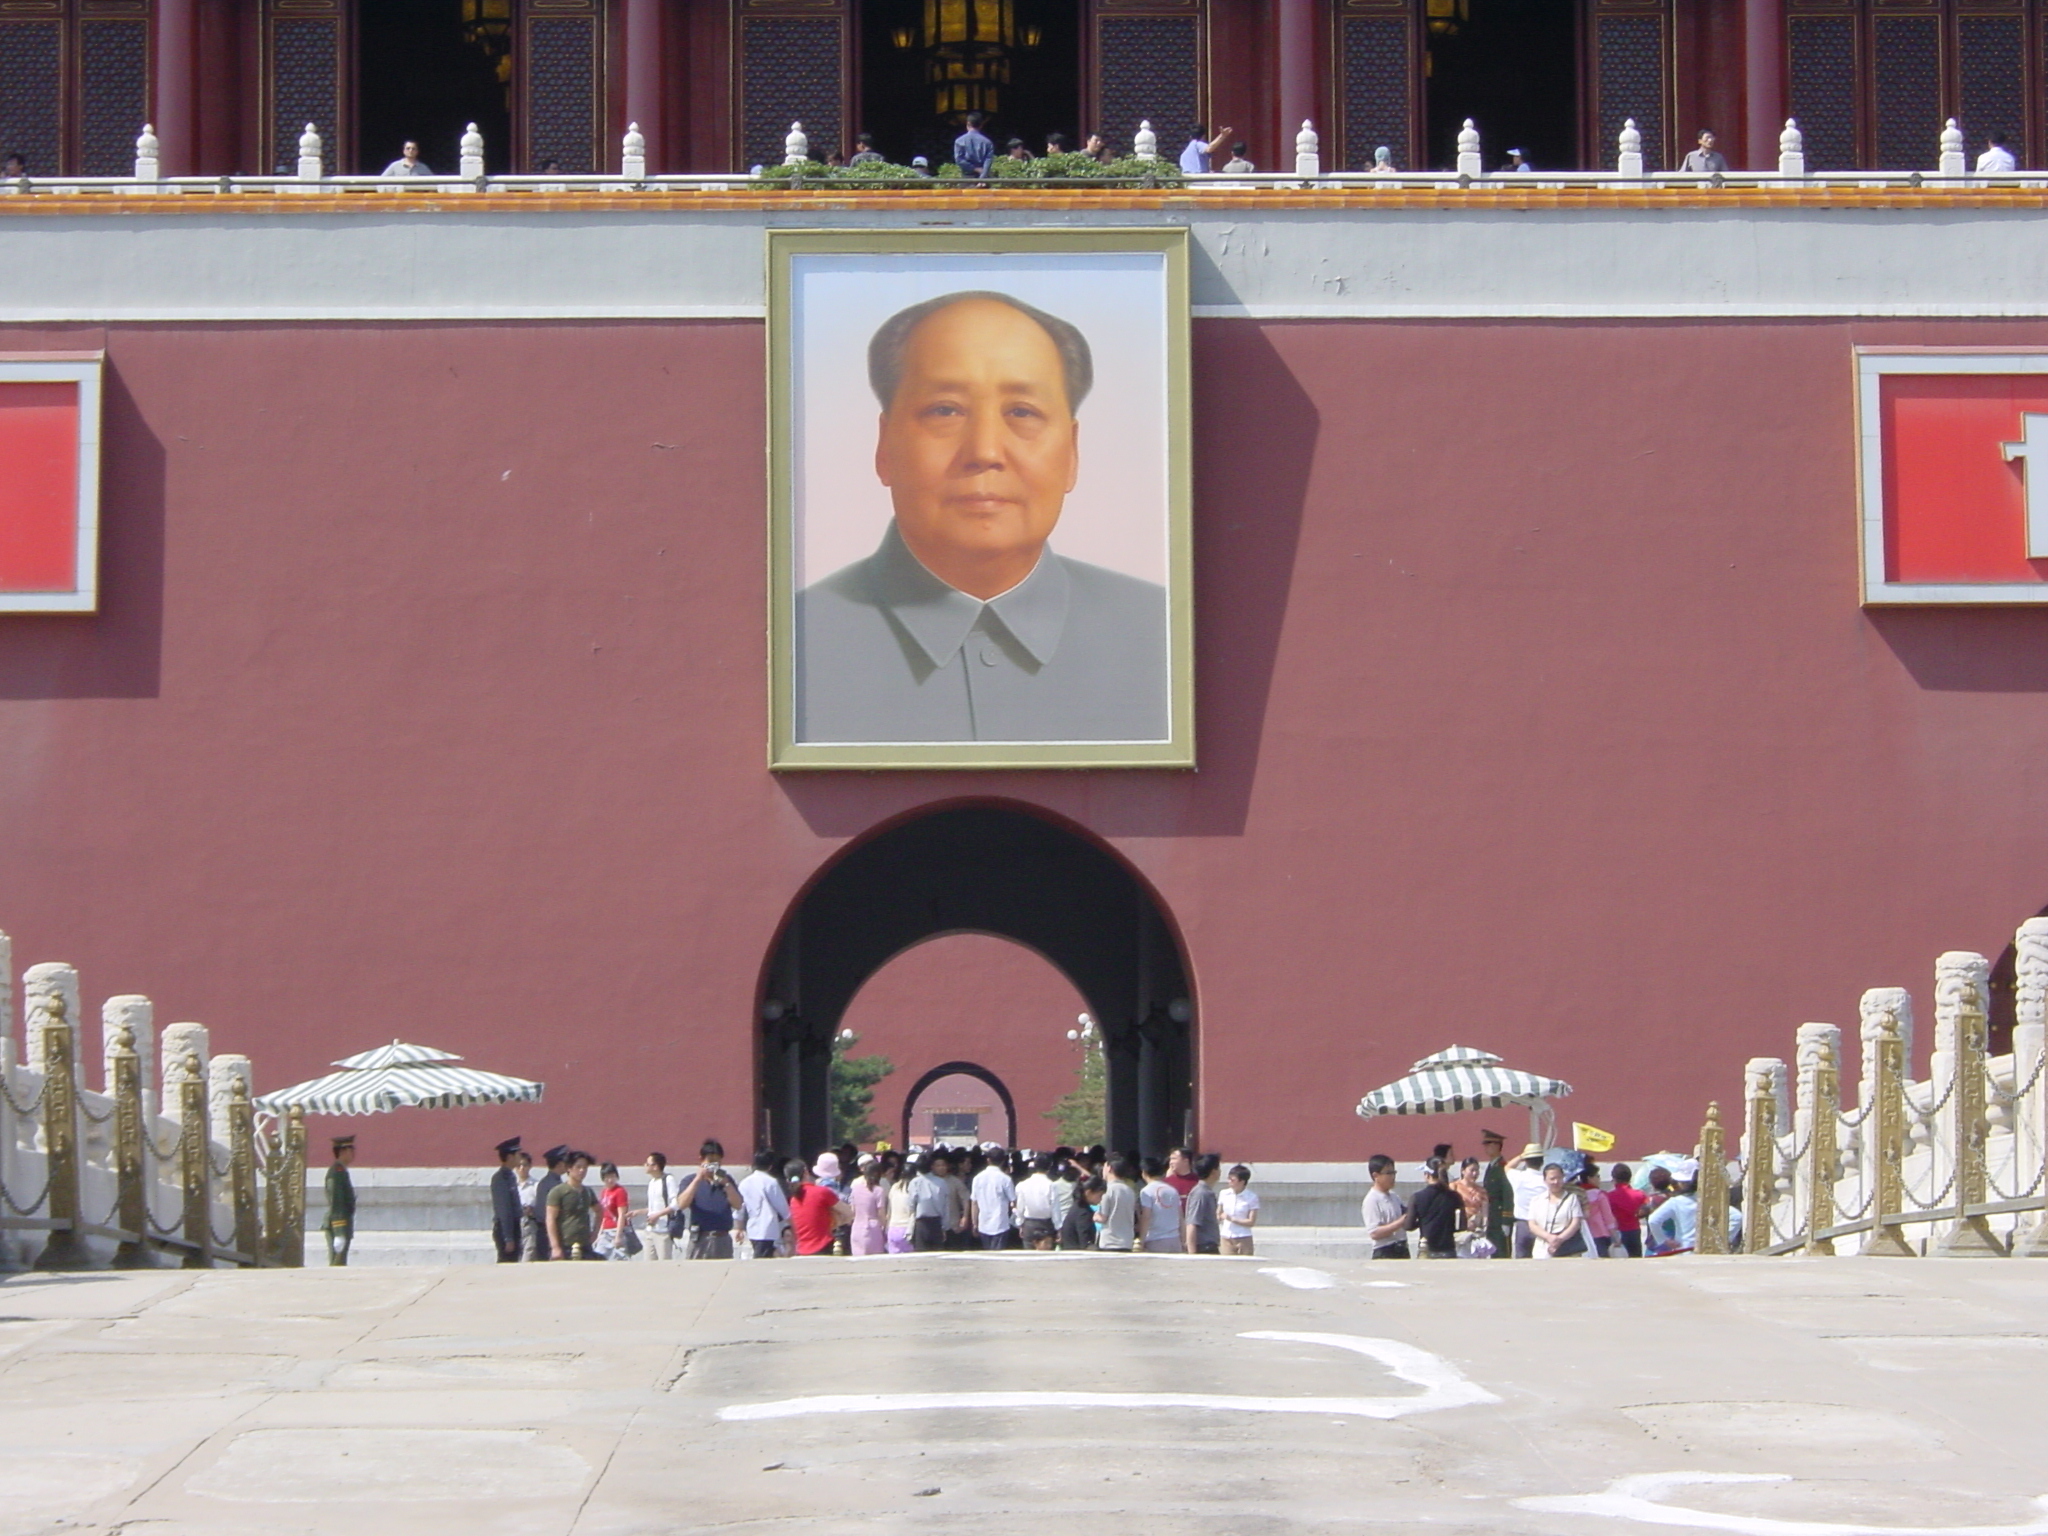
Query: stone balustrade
(1955, 1164)
(1307, 173)
(156, 1168)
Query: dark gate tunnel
(1001, 869)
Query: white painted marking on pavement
(1443, 1386)
(1640, 1498)
(1301, 1279)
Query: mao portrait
(980, 511)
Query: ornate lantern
(487, 27)
(967, 47)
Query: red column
(173, 122)
(1296, 51)
(643, 75)
(1763, 53)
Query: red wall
(1536, 709)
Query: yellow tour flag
(1590, 1138)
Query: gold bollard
(1712, 1190)
(65, 1249)
(1760, 1178)
(195, 1165)
(242, 1172)
(1885, 1146)
(292, 1191)
(1823, 1160)
(131, 1207)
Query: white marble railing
(148, 1171)
(1952, 173)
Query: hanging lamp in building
(968, 46)
(487, 27)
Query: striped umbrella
(1473, 1080)
(400, 1076)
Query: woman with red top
(613, 1203)
(814, 1211)
(1627, 1202)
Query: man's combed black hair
(892, 340)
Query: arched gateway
(996, 868)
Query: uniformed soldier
(505, 1208)
(341, 1201)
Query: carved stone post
(1954, 161)
(124, 1087)
(2030, 1110)
(148, 161)
(471, 159)
(1760, 1176)
(1308, 152)
(65, 1248)
(1712, 1191)
(310, 155)
(1822, 1098)
(633, 154)
(796, 146)
(1961, 988)
(292, 1196)
(1145, 143)
(6, 1005)
(1884, 1133)
(1468, 151)
(1792, 150)
(1628, 155)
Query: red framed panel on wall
(50, 493)
(1953, 460)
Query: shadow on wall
(1968, 650)
(116, 653)
(1256, 431)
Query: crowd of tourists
(866, 1203)
(1545, 1203)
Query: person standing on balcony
(973, 150)
(1996, 156)
(1706, 160)
(409, 163)
(340, 1225)
(1195, 158)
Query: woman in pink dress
(870, 1199)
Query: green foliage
(1069, 167)
(853, 1080)
(1082, 1117)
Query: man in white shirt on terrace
(1996, 156)
(1527, 1178)
(765, 1205)
(1038, 1210)
(993, 1202)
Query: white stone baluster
(1308, 151)
(472, 154)
(2030, 1112)
(49, 981)
(796, 148)
(1468, 151)
(1629, 158)
(222, 1073)
(148, 164)
(136, 1015)
(309, 155)
(633, 154)
(1791, 150)
(1953, 162)
(1145, 143)
(7, 1057)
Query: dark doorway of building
(1512, 67)
(1007, 872)
(899, 100)
(426, 70)
(960, 1104)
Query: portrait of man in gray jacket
(965, 624)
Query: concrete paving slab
(987, 1394)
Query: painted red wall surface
(1536, 709)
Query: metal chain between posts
(221, 1170)
(1926, 1116)
(1999, 1095)
(1997, 1189)
(1843, 1213)
(34, 1205)
(1850, 1122)
(85, 1112)
(34, 1104)
(1937, 1200)
(162, 1156)
(157, 1227)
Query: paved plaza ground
(1071, 1395)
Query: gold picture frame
(1101, 640)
